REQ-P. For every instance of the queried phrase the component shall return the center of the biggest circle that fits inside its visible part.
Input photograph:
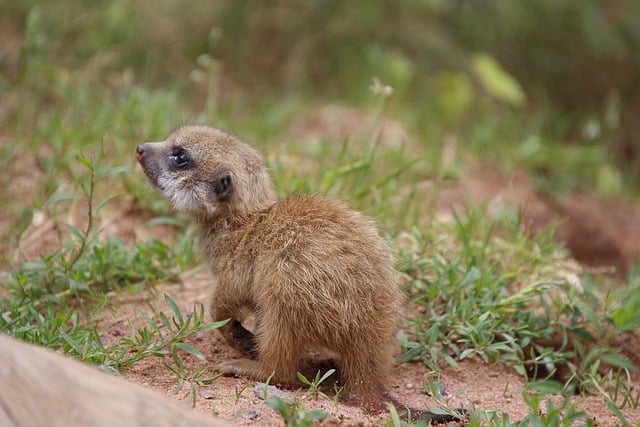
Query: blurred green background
(552, 87)
(513, 80)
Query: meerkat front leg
(222, 308)
(243, 339)
(279, 353)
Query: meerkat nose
(139, 153)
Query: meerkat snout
(149, 167)
(140, 152)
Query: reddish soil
(477, 384)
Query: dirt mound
(599, 232)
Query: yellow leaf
(497, 81)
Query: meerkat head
(207, 172)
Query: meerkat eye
(180, 158)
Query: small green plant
(163, 337)
(194, 375)
(265, 389)
(619, 386)
(175, 332)
(566, 414)
(294, 413)
(625, 315)
(338, 391)
(395, 421)
(238, 391)
(315, 385)
(433, 387)
(541, 413)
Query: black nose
(139, 153)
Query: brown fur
(314, 272)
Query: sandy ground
(484, 386)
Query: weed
(395, 420)
(315, 385)
(619, 386)
(551, 415)
(338, 392)
(194, 375)
(164, 337)
(240, 390)
(294, 413)
(265, 390)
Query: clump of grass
(162, 336)
(315, 384)
(542, 412)
(172, 340)
(486, 289)
(472, 286)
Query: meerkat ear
(221, 187)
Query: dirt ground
(486, 386)
(593, 229)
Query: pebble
(207, 394)
(250, 414)
(271, 391)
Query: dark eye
(180, 158)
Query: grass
(315, 384)
(295, 414)
(75, 107)
(58, 299)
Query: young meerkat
(314, 272)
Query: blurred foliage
(580, 58)
(571, 66)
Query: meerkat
(314, 272)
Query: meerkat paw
(242, 368)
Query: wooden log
(41, 388)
